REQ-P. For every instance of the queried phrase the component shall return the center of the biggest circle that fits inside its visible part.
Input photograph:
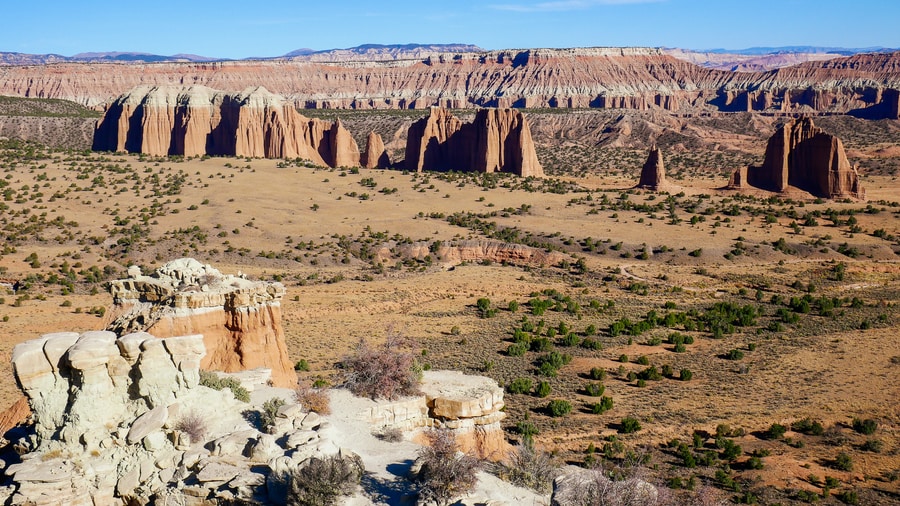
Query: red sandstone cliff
(240, 320)
(634, 78)
(196, 120)
(803, 156)
(497, 140)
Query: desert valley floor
(700, 310)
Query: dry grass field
(781, 308)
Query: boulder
(239, 319)
(148, 422)
(498, 140)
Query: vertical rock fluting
(498, 140)
(196, 120)
(804, 156)
(240, 320)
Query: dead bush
(388, 371)
(445, 473)
(193, 424)
(527, 467)
(323, 480)
(312, 399)
(390, 434)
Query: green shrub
(685, 375)
(605, 404)
(559, 407)
(872, 445)
(849, 497)
(519, 386)
(591, 344)
(776, 431)
(516, 350)
(597, 373)
(650, 374)
(212, 380)
(594, 389)
(623, 358)
(808, 426)
(542, 390)
(629, 425)
(301, 365)
(843, 462)
(571, 340)
(643, 360)
(268, 413)
(734, 355)
(867, 426)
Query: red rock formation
(14, 415)
(640, 78)
(653, 174)
(375, 157)
(804, 156)
(195, 120)
(240, 320)
(498, 140)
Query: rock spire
(653, 174)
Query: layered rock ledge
(472, 406)
(239, 319)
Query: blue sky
(238, 29)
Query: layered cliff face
(196, 120)
(634, 78)
(803, 156)
(497, 140)
(240, 320)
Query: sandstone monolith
(653, 174)
(803, 156)
(497, 140)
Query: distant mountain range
(383, 52)
(373, 52)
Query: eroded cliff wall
(196, 120)
(633, 78)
